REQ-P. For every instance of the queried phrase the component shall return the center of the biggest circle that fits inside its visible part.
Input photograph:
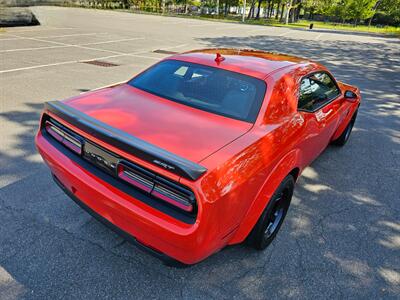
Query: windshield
(211, 89)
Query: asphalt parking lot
(341, 238)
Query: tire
(271, 219)
(344, 137)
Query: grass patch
(346, 27)
(390, 30)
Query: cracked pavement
(341, 238)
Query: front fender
(281, 169)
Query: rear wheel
(272, 218)
(344, 137)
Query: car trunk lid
(185, 131)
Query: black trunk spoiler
(126, 142)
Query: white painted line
(177, 46)
(31, 49)
(175, 22)
(170, 47)
(40, 29)
(21, 37)
(40, 66)
(69, 45)
(118, 54)
(66, 35)
(318, 36)
(259, 30)
(226, 26)
(113, 41)
(104, 86)
(11, 38)
(72, 45)
(200, 25)
(285, 33)
(134, 54)
(73, 61)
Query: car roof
(254, 63)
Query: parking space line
(226, 26)
(10, 39)
(134, 54)
(113, 41)
(69, 45)
(105, 86)
(318, 36)
(176, 22)
(70, 62)
(72, 45)
(21, 37)
(285, 33)
(42, 29)
(69, 35)
(200, 25)
(31, 49)
(40, 66)
(259, 30)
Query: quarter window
(316, 90)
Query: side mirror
(351, 96)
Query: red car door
(320, 104)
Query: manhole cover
(100, 63)
(164, 51)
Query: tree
(389, 8)
(289, 6)
(361, 9)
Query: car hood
(188, 132)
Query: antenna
(219, 58)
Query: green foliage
(361, 9)
(390, 9)
(338, 11)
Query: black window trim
(325, 104)
(251, 121)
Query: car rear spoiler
(126, 142)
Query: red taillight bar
(172, 198)
(158, 187)
(135, 178)
(63, 137)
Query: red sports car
(199, 151)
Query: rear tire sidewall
(257, 237)
(345, 136)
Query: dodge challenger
(199, 151)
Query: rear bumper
(166, 259)
(158, 233)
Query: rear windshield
(211, 89)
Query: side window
(316, 90)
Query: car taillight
(173, 194)
(64, 137)
(136, 176)
(158, 187)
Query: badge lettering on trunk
(163, 164)
(100, 157)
